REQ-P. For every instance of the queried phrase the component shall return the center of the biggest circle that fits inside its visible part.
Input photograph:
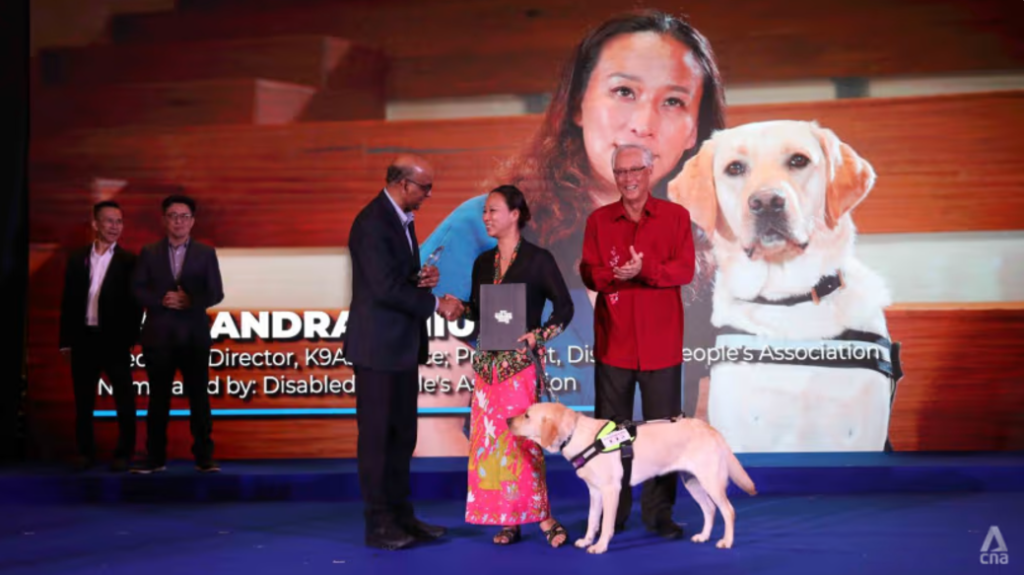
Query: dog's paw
(581, 543)
(699, 538)
(724, 544)
(597, 548)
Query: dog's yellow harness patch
(613, 436)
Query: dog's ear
(849, 177)
(694, 188)
(548, 433)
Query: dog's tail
(739, 475)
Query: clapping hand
(631, 268)
(450, 307)
(177, 299)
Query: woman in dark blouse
(507, 485)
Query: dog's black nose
(766, 202)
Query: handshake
(450, 307)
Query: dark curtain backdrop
(14, 127)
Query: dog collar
(565, 443)
(825, 286)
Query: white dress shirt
(98, 264)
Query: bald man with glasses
(386, 342)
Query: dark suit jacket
(120, 315)
(387, 321)
(200, 279)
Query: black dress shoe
(82, 463)
(207, 466)
(148, 467)
(389, 538)
(667, 528)
(119, 465)
(422, 531)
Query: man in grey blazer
(177, 279)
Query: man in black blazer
(99, 325)
(177, 279)
(386, 342)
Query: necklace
(498, 276)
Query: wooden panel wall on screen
(301, 185)
(444, 48)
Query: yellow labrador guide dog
(689, 447)
(804, 361)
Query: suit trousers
(661, 397)
(93, 356)
(386, 408)
(162, 362)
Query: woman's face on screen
(645, 90)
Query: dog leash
(543, 386)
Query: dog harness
(613, 437)
(851, 349)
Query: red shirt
(638, 323)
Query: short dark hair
(397, 173)
(179, 199)
(515, 200)
(98, 207)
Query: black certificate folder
(502, 316)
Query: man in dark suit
(177, 279)
(99, 325)
(386, 342)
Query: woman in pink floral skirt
(507, 484)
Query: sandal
(556, 530)
(507, 536)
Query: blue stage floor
(876, 514)
(787, 535)
(445, 478)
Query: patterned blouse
(535, 267)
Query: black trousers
(386, 403)
(161, 365)
(661, 397)
(92, 356)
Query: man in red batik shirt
(637, 254)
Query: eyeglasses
(622, 172)
(426, 188)
(179, 217)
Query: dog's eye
(799, 161)
(735, 169)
